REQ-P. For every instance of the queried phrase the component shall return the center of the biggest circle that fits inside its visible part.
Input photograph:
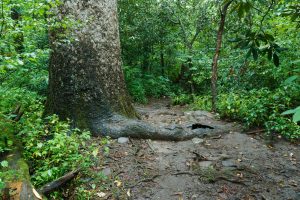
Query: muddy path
(230, 165)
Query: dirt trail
(231, 165)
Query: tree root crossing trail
(229, 165)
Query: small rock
(205, 164)
(106, 171)
(197, 140)
(228, 163)
(201, 113)
(123, 140)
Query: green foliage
(253, 43)
(201, 103)
(134, 81)
(167, 51)
(173, 39)
(51, 146)
(182, 99)
(141, 86)
(292, 10)
(257, 108)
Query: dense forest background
(168, 49)
(167, 52)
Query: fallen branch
(256, 131)
(184, 173)
(17, 113)
(218, 178)
(144, 180)
(58, 182)
(216, 137)
(229, 180)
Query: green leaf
(269, 37)
(270, 54)
(288, 112)
(276, 60)
(95, 152)
(254, 53)
(4, 163)
(296, 116)
(39, 145)
(248, 54)
(292, 111)
(291, 79)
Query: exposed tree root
(119, 126)
(151, 179)
(218, 178)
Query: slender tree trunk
(214, 77)
(19, 37)
(162, 63)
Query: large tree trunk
(214, 77)
(86, 82)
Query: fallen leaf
(240, 175)
(118, 183)
(128, 193)
(293, 183)
(188, 163)
(180, 195)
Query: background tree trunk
(214, 77)
(86, 82)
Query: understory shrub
(257, 108)
(143, 86)
(181, 99)
(51, 146)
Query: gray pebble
(123, 140)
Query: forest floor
(233, 165)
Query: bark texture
(86, 82)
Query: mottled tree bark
(86, 82)
(214, 77)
